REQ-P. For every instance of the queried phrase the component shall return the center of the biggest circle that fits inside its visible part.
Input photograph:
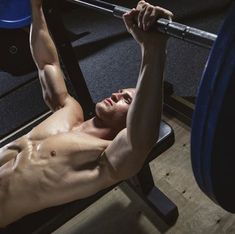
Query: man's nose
(115, 97)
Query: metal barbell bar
(174, 29)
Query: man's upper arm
(54, 89)
(121, 159)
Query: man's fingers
(141, 15)
(148, 12)
(152, 14)
(129, 20)
(164, 13)
(147, 17)
(140, 4)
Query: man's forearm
(130, 148)
(144, 115)
(46, 58)
(42, 46)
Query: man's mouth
(108, 101)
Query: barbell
(15, 14)
(213, 127)
(177, 30)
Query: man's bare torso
(73, 144)
(49, 154)
(60, 134)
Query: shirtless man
(66, 158)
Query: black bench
(52, 218)
(22, 107)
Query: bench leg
(143, 185)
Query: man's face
(113, 110)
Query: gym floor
(121, 211)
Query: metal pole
(177, 30)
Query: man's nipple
(53, 153)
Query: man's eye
(128, 100)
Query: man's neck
(97, 128)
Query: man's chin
(100, 109)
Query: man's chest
(70, 148)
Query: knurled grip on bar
(186, 33)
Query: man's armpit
(107, 167)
